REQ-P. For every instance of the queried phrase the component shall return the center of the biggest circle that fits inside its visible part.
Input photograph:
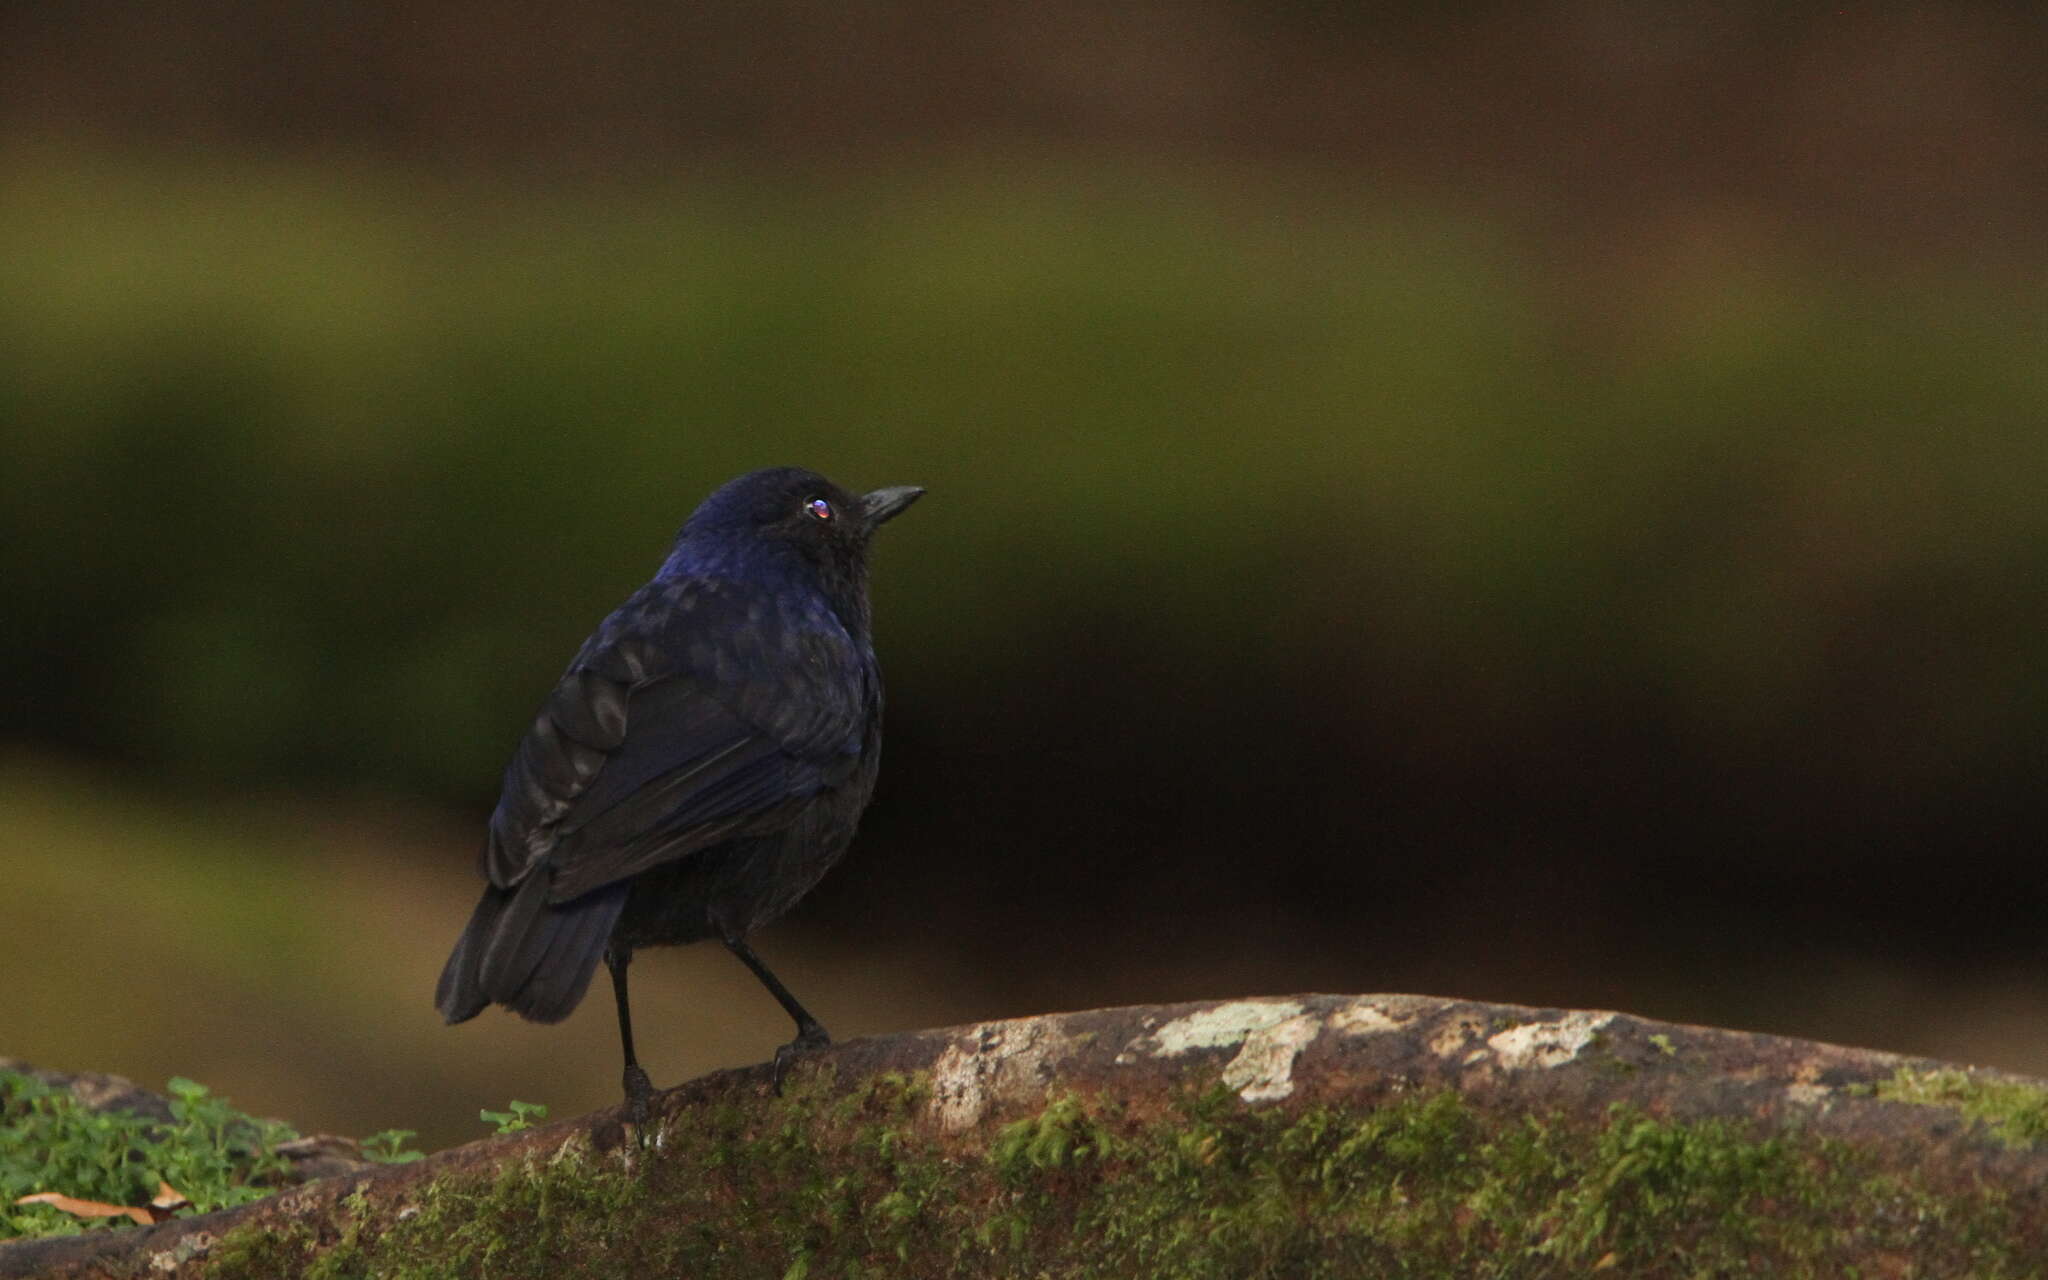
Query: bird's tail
(533, 956)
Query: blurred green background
(1526, 502)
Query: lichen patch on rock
(1263, 1070)
(1547, 1044)
(1218, 1027)
(1364, 1018)
(168, 1261)
(1454, 1035)
(991, 1063)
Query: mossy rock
(1297, 1137)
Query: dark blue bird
(698, 768)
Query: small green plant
(521, 1116)
(210, 1153)
(388, 1147)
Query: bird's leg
(639, 1089)
(810, 1033)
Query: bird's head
(789, 517)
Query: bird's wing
(674, 729)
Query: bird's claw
(809, 1040)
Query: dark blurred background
(1533, 502)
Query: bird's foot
(809, 1039)
(639, 1092)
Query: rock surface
(1289, 1136)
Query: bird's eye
(820, 508)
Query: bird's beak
(882, 504)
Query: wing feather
(694, 713)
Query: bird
(699, 767)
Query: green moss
(1062, 1136)
(818, 1183)
(273, 1251)
(2014, 1111)
(531, 1218)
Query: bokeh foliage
(321, 473)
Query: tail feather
(518, 939)
(576, 945)
(459, 995)
(530, 955)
